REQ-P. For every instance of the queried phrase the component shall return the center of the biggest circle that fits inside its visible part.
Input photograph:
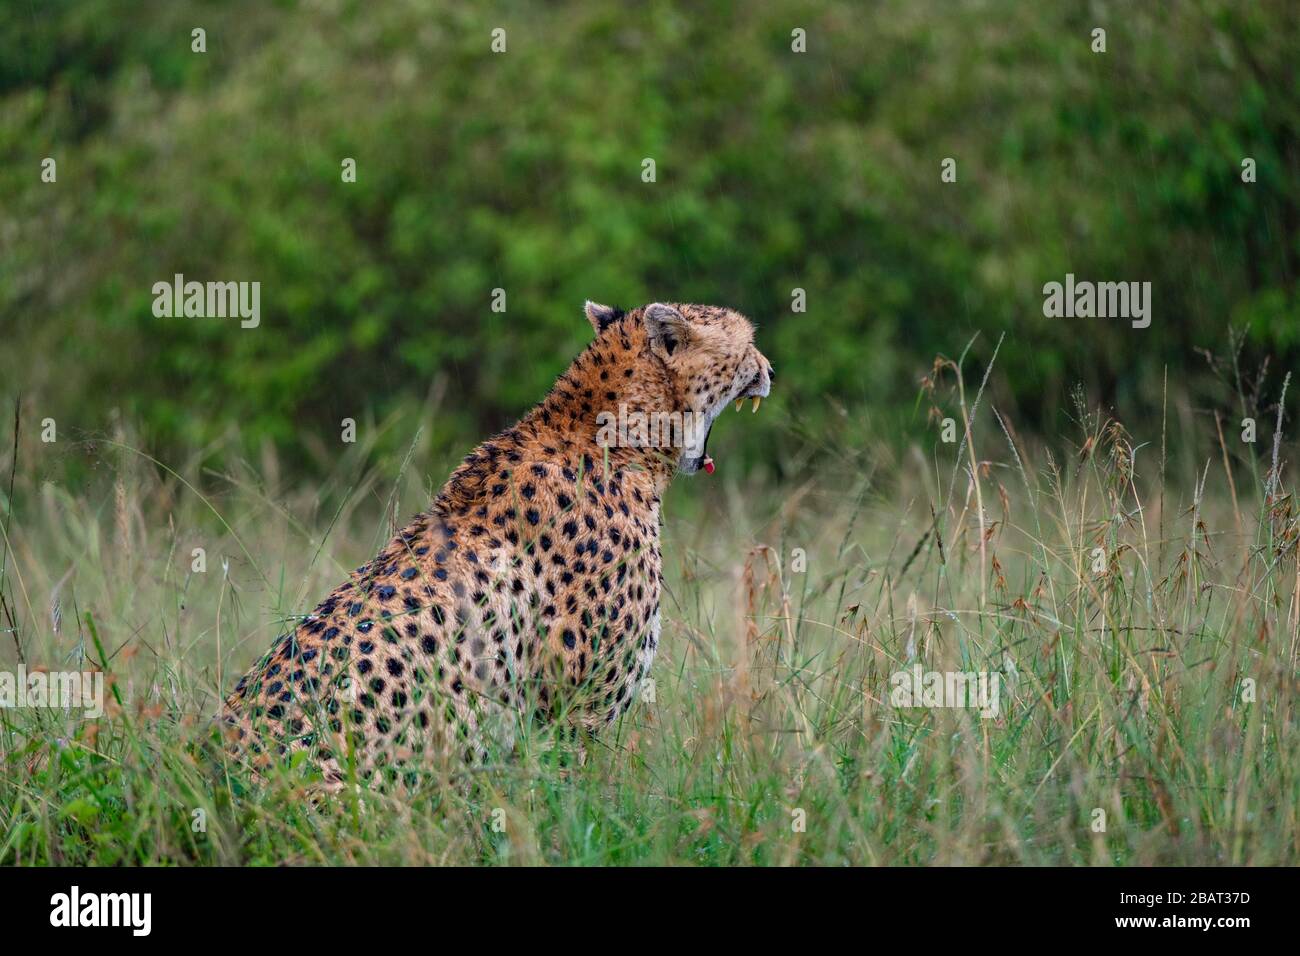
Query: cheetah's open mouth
(690, 464)
(705, 461)
(756, 390)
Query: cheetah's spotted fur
(529, 589)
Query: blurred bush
(522, 171)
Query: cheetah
(529, 590)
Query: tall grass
(1140, 605)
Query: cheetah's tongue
(708, 465)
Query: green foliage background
(522, 171)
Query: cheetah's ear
(600, 316)
(665, 327)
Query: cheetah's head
(709, 355)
